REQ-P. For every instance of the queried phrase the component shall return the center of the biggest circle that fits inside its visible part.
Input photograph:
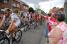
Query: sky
(45, 5)
(33, 3)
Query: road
(34, 36)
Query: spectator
(58, 35)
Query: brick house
(4, 4)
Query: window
(1, 0)
(18, 5)
(14, 5)
(4, 1)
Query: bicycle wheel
(3, 38)
(5, 41)
(18, 35)
(25, 29)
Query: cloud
(46, 6)
(31, 5)
(33, 1)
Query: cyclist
(2, 18)
(14, 21)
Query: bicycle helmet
(1, 12)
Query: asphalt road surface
(34, 36)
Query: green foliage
(31, 10)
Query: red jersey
(52, 21)
(36, 17)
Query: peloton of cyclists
(10, 20)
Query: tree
(31, 10)
(40, 11)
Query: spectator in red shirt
(51, 21)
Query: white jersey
(29, 17)
(24, 13)
(15, 18)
